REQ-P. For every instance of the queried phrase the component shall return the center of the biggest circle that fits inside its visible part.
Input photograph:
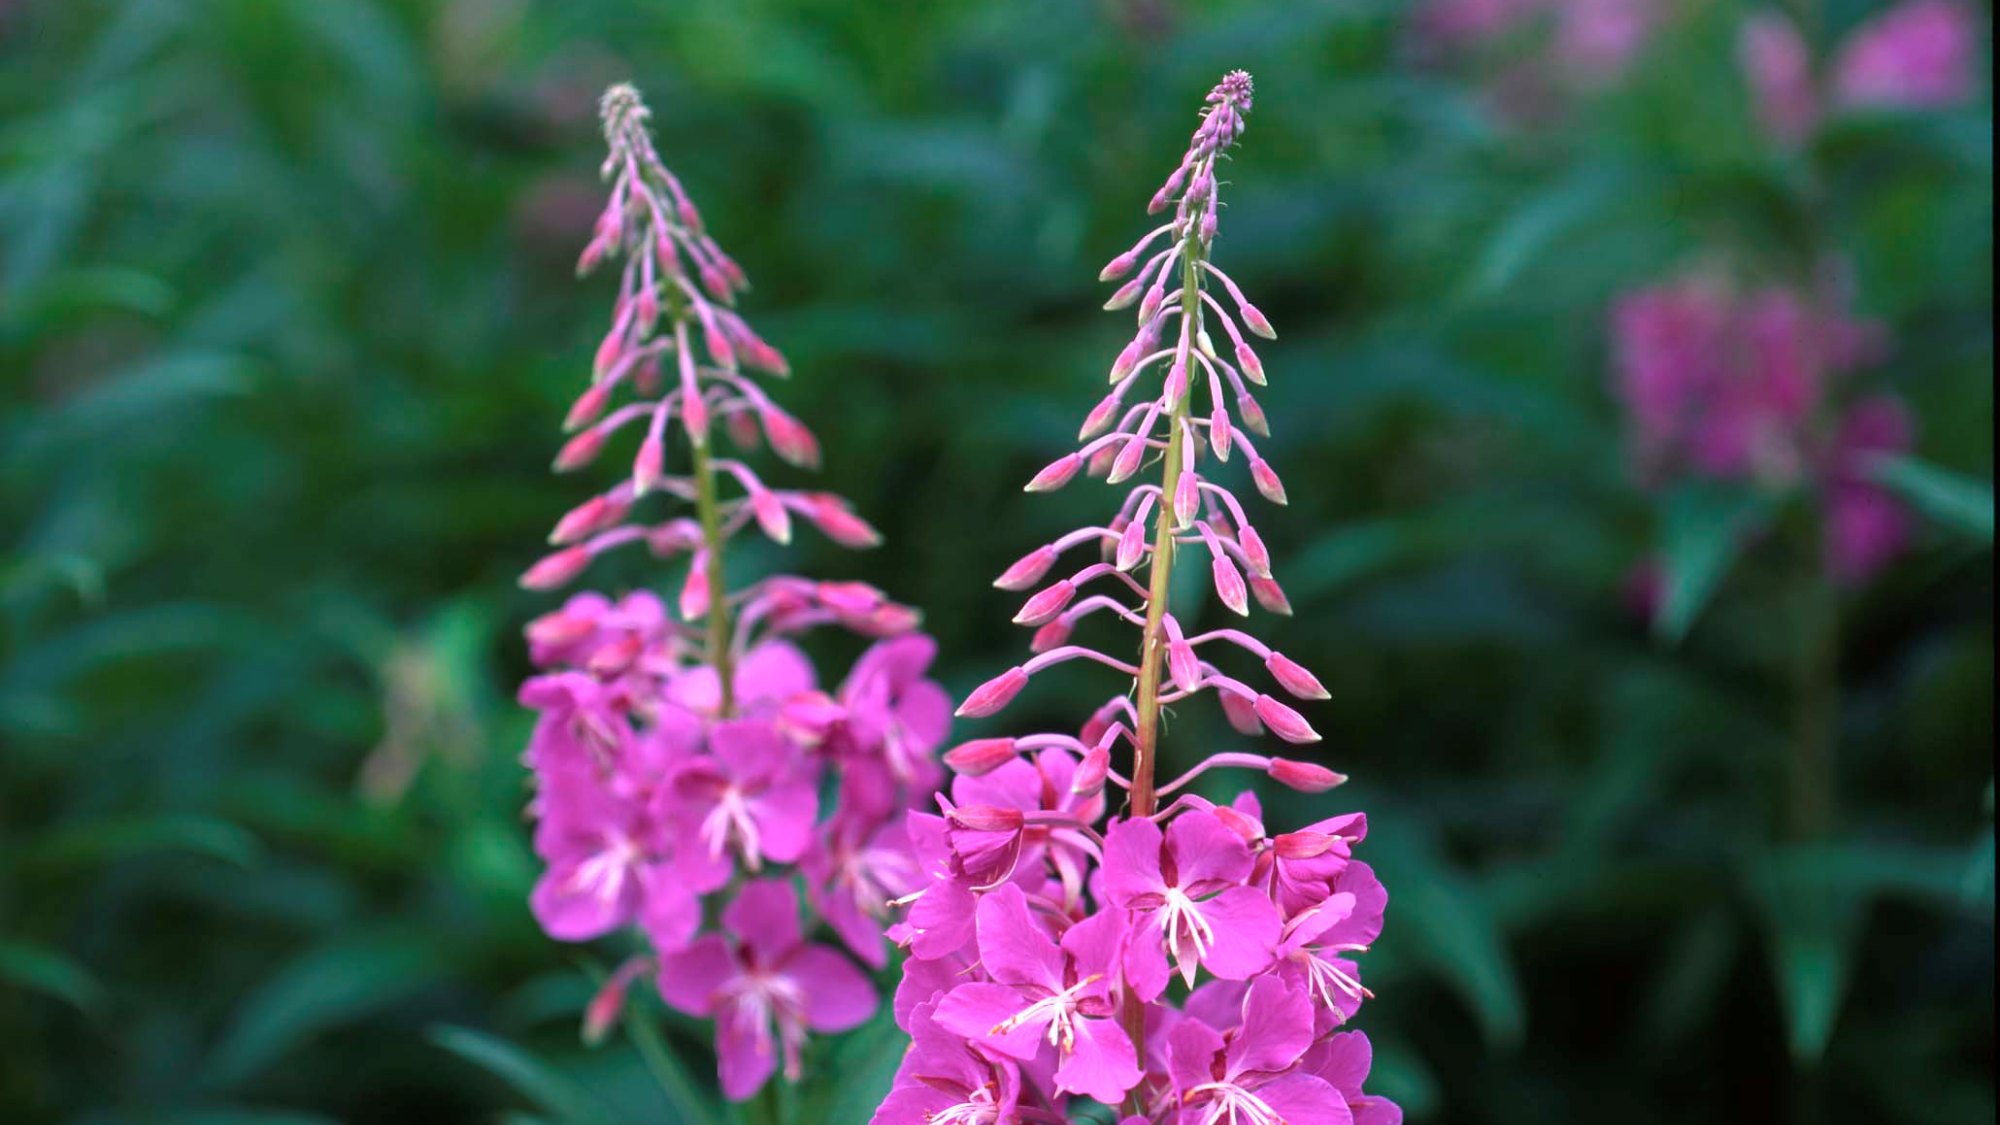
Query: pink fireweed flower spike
(1071, 939)
(680, 750)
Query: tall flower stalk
(683, 756)
(1173, 959)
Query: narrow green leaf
(330, 986)
(98, 842)
(47, 971)
(534, 1079)
(1958, 502)
(1705, 528)
(683, 1093)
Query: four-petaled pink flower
(947, 1080)
(1185, 888)
(1252, 1076)
(1045, 995)
(765, 987)
(747, 799)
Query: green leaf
(866, 1061)
(1958, 502)
(1812, 918)
(329, 986)
(98, 842)
(1444, 919)
(683, 1093)
(534, 1079)
(47, 971)
(1705, 529)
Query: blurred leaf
(46, 971)
(1812, 920)
(866, 1060)
(1958, 502)
(99, 842)
(1400, 1075)
(1448, 922)
(683, 1093)
(1690, 983)
(1705, 528)
(333, 985)
(1534, 228)
(532, 1077)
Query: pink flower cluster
(688, 765)
(1183, 963)
(1575, 43)
(1920, 54)
(1741, 386)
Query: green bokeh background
(288, 323)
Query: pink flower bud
(560, 629)
(1285, 722)
(1306, 777)
(589, 406)
(987, 818)
(980, 756)
(558, 569)
(1294, 678)
(1182, 665)
(1239, 822)
(837, 522)
(771, 516)
(1267, 480)
(1120, 266)
(1131, 545)
(580, 450)
(1241, 713)
(1229, 586)
(1207, 227)
(742, 429)
(1130, 456)
(1150, 307)
(646, 376)
(1255, 322)
(1028, 570)
(587, 518)
(1303, 844)
(613, 659)
(1255, 553)
(1219, 433)
(1177, 382)
(604, 1009)
(1088, 780)
(1129, 358)
(608, 353)
(694, 415)
(1051, 636)
(1056, 474)
(1100, 416)
(1252, 415)
(1271, 596)
(994, 694)
(1253, 368)
(648, 467)
(1045, 605)
(789, 438)
(695, 593)
(1124, 295)
(1187, 499)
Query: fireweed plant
(1175, 962)
(689, 771)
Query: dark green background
(287, 326)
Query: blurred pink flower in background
(1741, 386)
(1917, 55)
(1584, 44)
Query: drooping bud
(1267, 480)
(1053, 635)
(1229, 586)
(789, 438)
(1285, 722)
(1044, 606)
(589, 406)
(1255, 553)
(1124, 295)
(580, 450)
(1130, 456)
(1271, 596)
(1088, 780)
(1294, 678)
(1056, 474)
(1028, 570)
(994, 694)
(980, 756)
(1247, 361)
(1187, 499)
(695, 594)
(1306, 777)
(1241, 713)
(1131, 545)
(771, 516)
(1255, 322)
(558, 569)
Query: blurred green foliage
(287, 322)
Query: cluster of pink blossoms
(1920, 54)
(1734, 386)
(683, 755)
(1181, 964)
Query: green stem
(1816, 702)
(1152, 641)
(709, 510)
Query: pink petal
(838, 996)
(1132, 861)
(1015, 949)
(745, 1053)
(1191, 1049)
(570, 913)
(1277, 1028)
(1246, 929)
(1102, 1064)
(765, 917)
(692, 980)
(1146, 969)
(1301, 1099)
(1205, 851)
(785, 817)
(975, 1009)
(669, 911)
